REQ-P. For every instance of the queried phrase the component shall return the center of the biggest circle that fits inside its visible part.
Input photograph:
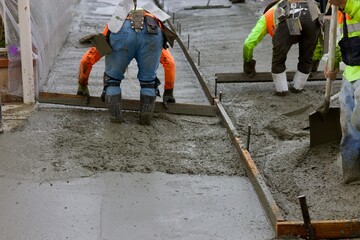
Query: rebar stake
(173, 18)
(305, 213)
(1, 128)
(220, 96)
(198, 57)
(188, 41)
(248, 138)
(215, 86)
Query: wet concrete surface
(75, 175)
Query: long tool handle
(331, 62)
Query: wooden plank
(128, 104)
(329, 229)
(207, 7)
(264, 77)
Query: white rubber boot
(299, 82)
(280, 82)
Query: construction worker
(139, 36)
(92, 56)
(349, 97)
(274, 22)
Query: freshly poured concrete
(132, 206)
(71, 174)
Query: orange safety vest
(270, 21)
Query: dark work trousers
(282, 42)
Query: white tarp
(50, 23)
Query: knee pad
(111, 86)
(150, 88)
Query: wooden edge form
(128, 104)
(272, 210)
(265, 77)
(207, 7)
(327, 229)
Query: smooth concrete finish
(117, 206)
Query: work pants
(127, 44)
(350, 125)
(282, 42)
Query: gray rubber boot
(113, 103)
(147, 104)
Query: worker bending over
(288, 22)
(136, 36)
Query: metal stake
(1, 128)
(215, 86)
(198, 57)
(248, 138)
(188, 41)
(173, 18)
(179, 30)
(220, 96)
(306, 217)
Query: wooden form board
(331, 229)
(264, 77)
(327, 229)
(132, 105)
(207, 7)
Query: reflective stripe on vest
(352, 28)
(270, 22)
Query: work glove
(83, 90)
(168, 97)
(331, 74)
(249, 68)
(339, 3)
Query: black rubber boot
(147, 104)
(113, 103)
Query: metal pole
(215, 86)
(248, 138)
(305, 213)
(1, 128)
(198, 57)
(26, 52)
(188, 41)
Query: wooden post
(26, 52)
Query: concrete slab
(64, 146)
(116, 206)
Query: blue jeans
(128, 44)
(350, 126)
